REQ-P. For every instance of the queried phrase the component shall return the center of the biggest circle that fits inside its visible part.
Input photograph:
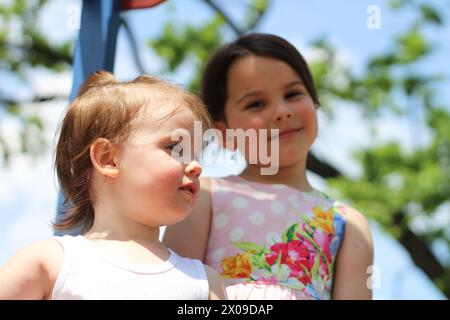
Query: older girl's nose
(282, 112)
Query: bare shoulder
(53, 261)
(29, 274)
(42, 253)
(357, 229)
(216, 285)
(194, 228)
(354, 258)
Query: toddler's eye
(170, 146)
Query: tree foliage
(23, 48)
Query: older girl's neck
(293, 176)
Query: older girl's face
(266, 93)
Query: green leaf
(296, 284)
(278, 260)
(289, 234)
(248, 247)
(430, 14)
(315, 269)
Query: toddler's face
(265, 93)
(155, 188)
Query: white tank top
(85, 274)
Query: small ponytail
(97, 79)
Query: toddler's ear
(102, 157)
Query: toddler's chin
(181, 215)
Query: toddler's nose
(193, 169)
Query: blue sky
(28, 188)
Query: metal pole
(95, 50)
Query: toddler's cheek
(172, 172)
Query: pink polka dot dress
(271, 241)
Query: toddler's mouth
(190, 188)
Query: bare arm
(216, 286)
(189, 238)
(31, 273)
(354, 258)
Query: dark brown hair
(104, 108)
(215, 76)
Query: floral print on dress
(303, 259)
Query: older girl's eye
(255, 104)
(292, 94)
